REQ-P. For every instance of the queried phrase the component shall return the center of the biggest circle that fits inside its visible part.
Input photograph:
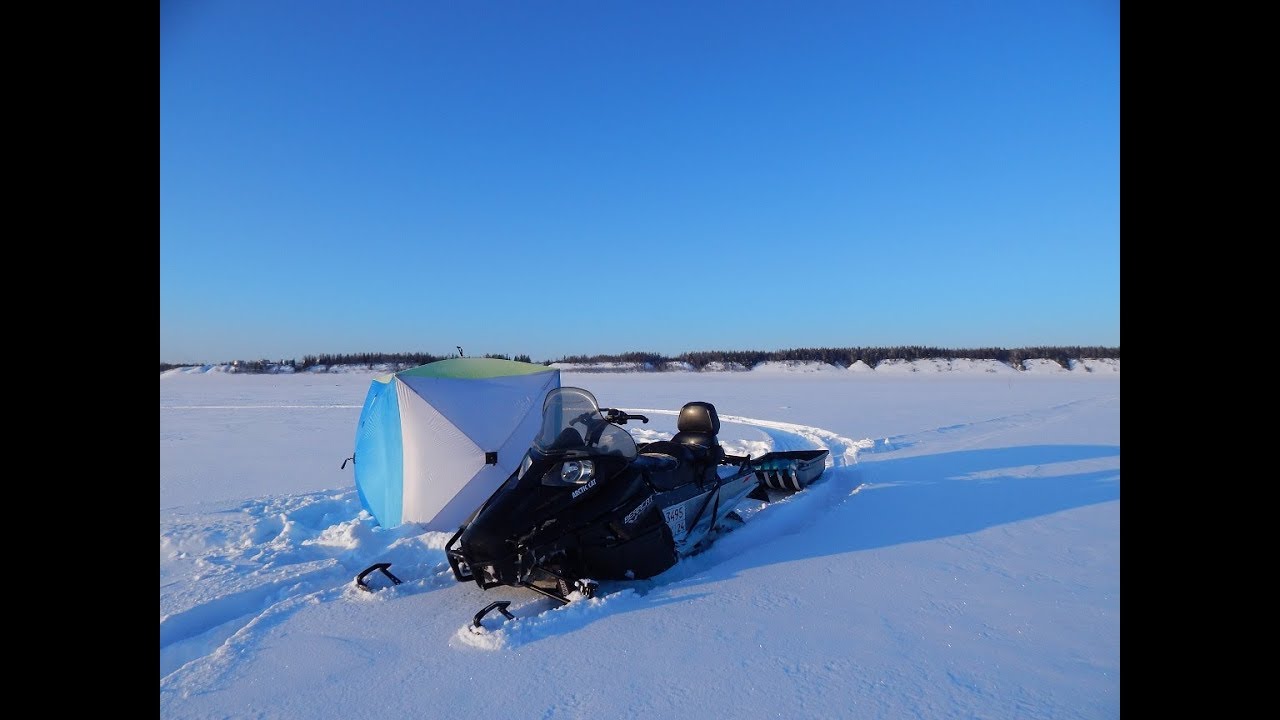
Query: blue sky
(555, 178)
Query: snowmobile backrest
(698, 417)
(698, 424)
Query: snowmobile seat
(698, 425)
(668, 464)
(656, 462)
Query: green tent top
(474, 368)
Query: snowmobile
(588, 504)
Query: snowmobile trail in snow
(252, 563)
(968, 434)
(793, 436)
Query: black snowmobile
(588, 504)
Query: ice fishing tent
(436, 440)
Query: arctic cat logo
(631, 516)
(584, 488)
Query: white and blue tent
(436, 440)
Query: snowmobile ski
(384, 568)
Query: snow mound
(796, 366)
(360, 369)
(1096, 365)
(947, 365)
(1042, 365)
(963, 365)
(196, 370)
(604, 367)
(717, 366)
(894, 365)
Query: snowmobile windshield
(573, 425)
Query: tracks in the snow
(280, 554)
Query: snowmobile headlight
(576, 472)
(570, 472)
(525, 465)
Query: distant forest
(400, 360)
(843, 357)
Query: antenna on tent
(459, 351)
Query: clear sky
(564, 177)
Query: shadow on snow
(896, 501)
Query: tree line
(843, 357)
(872, 356)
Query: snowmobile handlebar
(620, 417)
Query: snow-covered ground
(961, 558)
